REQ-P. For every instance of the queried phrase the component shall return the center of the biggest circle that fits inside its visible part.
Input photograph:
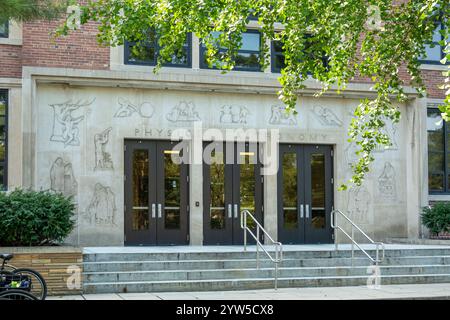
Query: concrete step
(117, 266)
(256, 283)
(304, 254)
(181, 275)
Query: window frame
(127, 52)
(445, 170)
(436, 44)
(5, 92)
(6, 33)
(204, 65)
(273, 55)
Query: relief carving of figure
(234, 114)
(183, 112)
(65, 122)
(280, 116)
(390, 130)
(326, 117)
(387, 181)
(359, 204)
(102, 208)
(102, 158)
(62, 179)
(127, 109)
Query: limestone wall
(80, 134)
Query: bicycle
(24, 280)
(16, 294)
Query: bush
(437, 217)
(34, 218)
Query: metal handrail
(278, 246)
(334, 225)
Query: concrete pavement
(409, 291)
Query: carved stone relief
(127, 109)
(66, 120)
(359, 201)
(102, 208)
(62, 179)
(234, 114)
(279, 116)
(387, 182)
(103, 159)
(326, 117)
(390, 130)
(183, 112)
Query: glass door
(232, 182)
(305, 194)
(156, 194)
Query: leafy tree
(374, 39)
(26, 10)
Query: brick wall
(10, 61)
(51, 263)
(78, 50)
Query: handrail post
(353, 245)
(257, 247)
(335, 233)
(245, 232)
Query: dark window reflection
(290, 212)
(140, 190)
(172, 192)
(318, 191)
(217, 174)
(437, 169)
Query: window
(4, 30)
(434, 52)
(147, 53)
(3, 137)
(248, 57)
(438, 153)
(277, 56)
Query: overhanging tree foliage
(26, 10)
(367, 38)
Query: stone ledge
(419, 241)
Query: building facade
(97, 124)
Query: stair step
(117, 266)
(210, 274)
(256, 283)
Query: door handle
(235, 211)
(307, 211)
(159, 210)
(302, 211)
(153, 210)
(230, 211)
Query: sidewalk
(407, 291)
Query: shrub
(33, 218)
(437, 217)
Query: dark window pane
(140, 220)
(289, 167)
(2, 128)
(436, 141)
(247, 60)
(140, 178)
(318, 191)
(435, 161)
(4, 30)
(217, 173)
(172, 192)
(278, 46)
(436, 182)
(2, 178)
(142, 54)
(2, 152)
(278, 62)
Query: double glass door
(305, 194)
(232, 182)
(156, 193)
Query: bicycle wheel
(38, 285)
(15, 294)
